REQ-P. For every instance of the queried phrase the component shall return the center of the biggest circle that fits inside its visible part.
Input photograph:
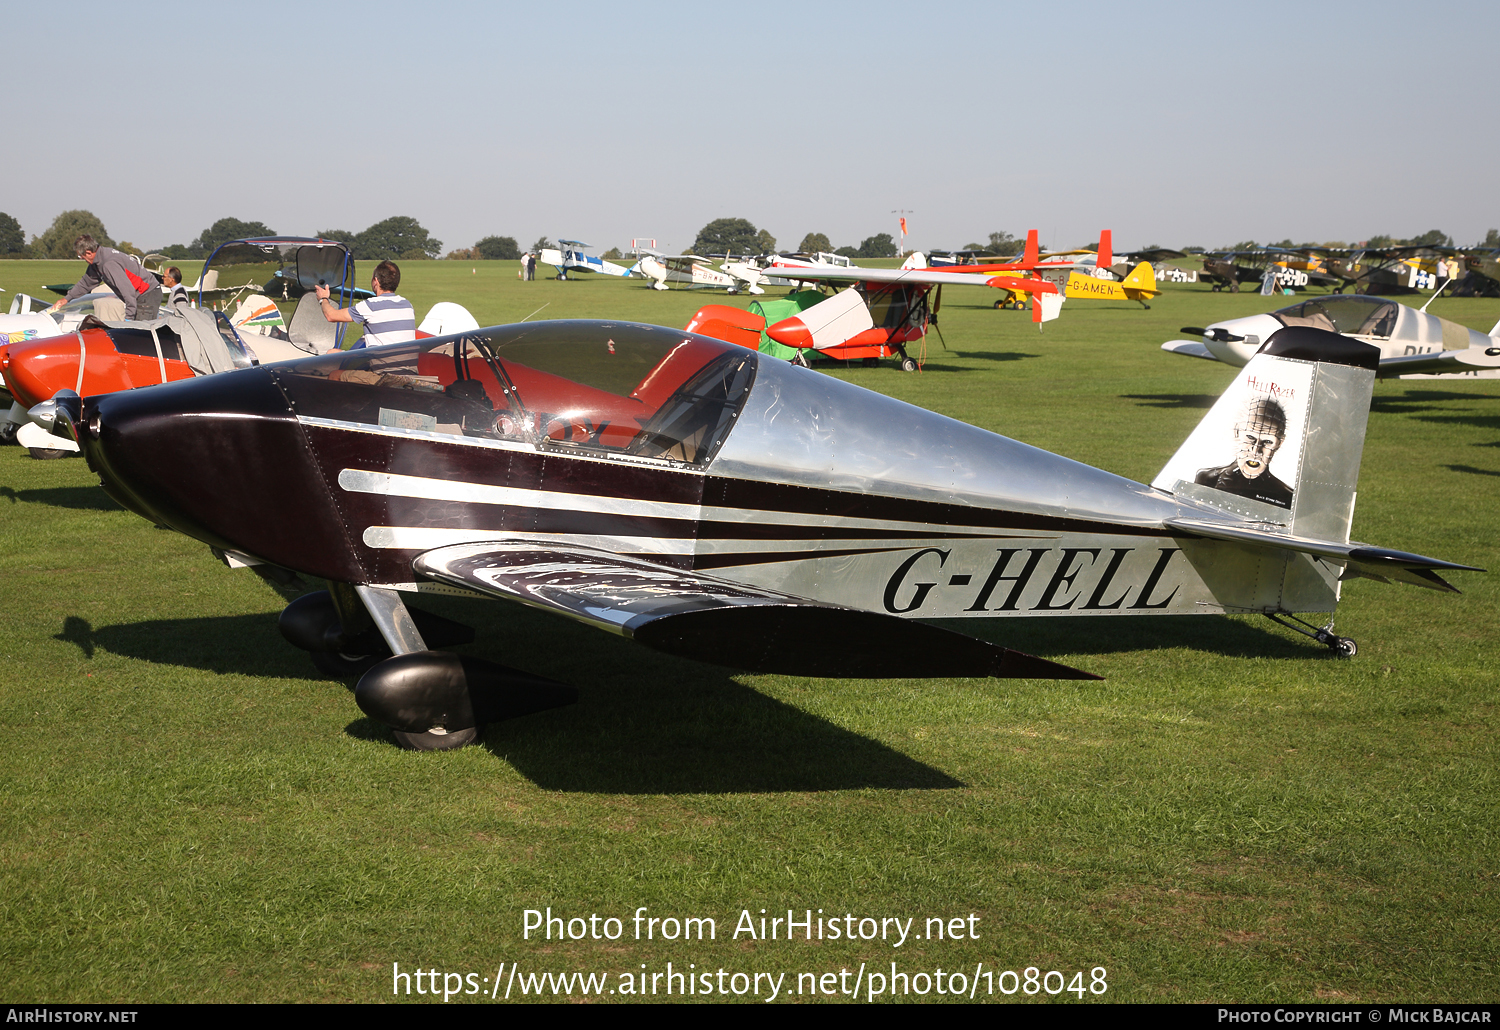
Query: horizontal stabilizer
(1469, 359)
(712, 620)
(1361, 559)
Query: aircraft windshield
(895, 307)
(610, 389)
(1355, 315)
(259, 282)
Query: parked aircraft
(568, 256)
(1410, 342)
(1371, 271)
(690, 271)
(876, 314)
(1287, 270)
(1161, 260)
(702, 500)
(1078, 274)
(102, 353)
(1089, 276)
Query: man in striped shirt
(387, 317)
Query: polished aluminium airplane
(1411, 342)
(697, 498)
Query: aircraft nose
(168, 452)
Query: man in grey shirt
(177, 293)
(127, 277)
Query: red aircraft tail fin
(1032, 253)
(1106, 250)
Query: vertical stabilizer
(1142, 277)
(1031, 255)
(1106, 250)
(1282, 445)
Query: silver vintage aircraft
(705, 501)
(1411, 342)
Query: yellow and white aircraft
(1085, 275)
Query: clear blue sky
(1175, 124)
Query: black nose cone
(182, 454)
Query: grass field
(193, 814)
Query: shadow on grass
(1478, 421)
(1413, 401)
(86, 498)
(1471, 470)
(1202, 401)
(645, 723)
(990, 355)
(1051, 638)
(248, 645)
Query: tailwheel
(1343, 647)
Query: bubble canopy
(612, 389)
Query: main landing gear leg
(431, 700)
(1344, 647)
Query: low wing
(1469, 359)
(1190, 349)
(712, 620)
(1379, 563)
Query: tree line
(398, 238)
(725, 236)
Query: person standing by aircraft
(122, 273)
(387, 317)
(176, 292)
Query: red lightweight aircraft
(877, 315)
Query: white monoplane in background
(1411, 342)
(689, 271)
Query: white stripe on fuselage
(424, 538)
(362, 481)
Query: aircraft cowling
(220, 459)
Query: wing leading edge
(712, 620)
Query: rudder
(1282, 445)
